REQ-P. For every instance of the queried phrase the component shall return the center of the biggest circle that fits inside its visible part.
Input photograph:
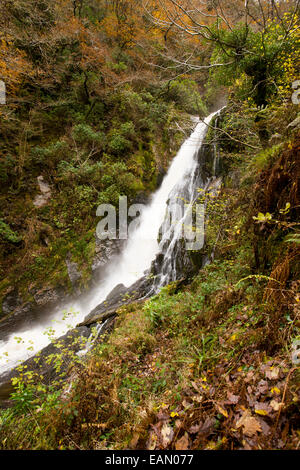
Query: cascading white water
(138, 254)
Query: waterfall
(141, 250)
(100, 327)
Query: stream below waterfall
(181, 182)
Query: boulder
(43, 198)
(119, 290)
(11, 301)
(118, 297)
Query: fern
(295, 238)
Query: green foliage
(23, 398)
(263, 217)
(85, 172)
(7, 165)
(8, 234)
(266, 60)
(266, 157)
(148, 111)
(293, 238)
(118, 67)
(48, 155)
(84, 134)
(118, 140)
(186, 95)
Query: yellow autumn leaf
(261, 412)
(222, 410)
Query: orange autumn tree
(13, 64)
(123, 22)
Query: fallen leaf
(262, 409)
(162, 416)
(208, 426)
(272, 373)
(178, 423)
(249, 424)
(264, 426)
(249, 377)
(151, 444)
(262, 387)
(186, 404)
(167, 434)
(197, 398)
(276, 405)
(183, 443)
(261, 412)
(246, 446)
(221, 410)
(134, 441)
(234, 399)
(195, 386)
(251, 400)
(195, 428)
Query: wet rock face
(72, 342)
(118, 297)
(141, 198)
(73, 271)
(105, 251)
(118, 291)
(11, 301)
(175, 261)
(183, 262)
(21, 316)
(160, 176)
(18, 315)
(48, 296)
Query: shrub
(185, 94)
(49, 154)
(119, 138)
(8, 234)
(83, 134)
